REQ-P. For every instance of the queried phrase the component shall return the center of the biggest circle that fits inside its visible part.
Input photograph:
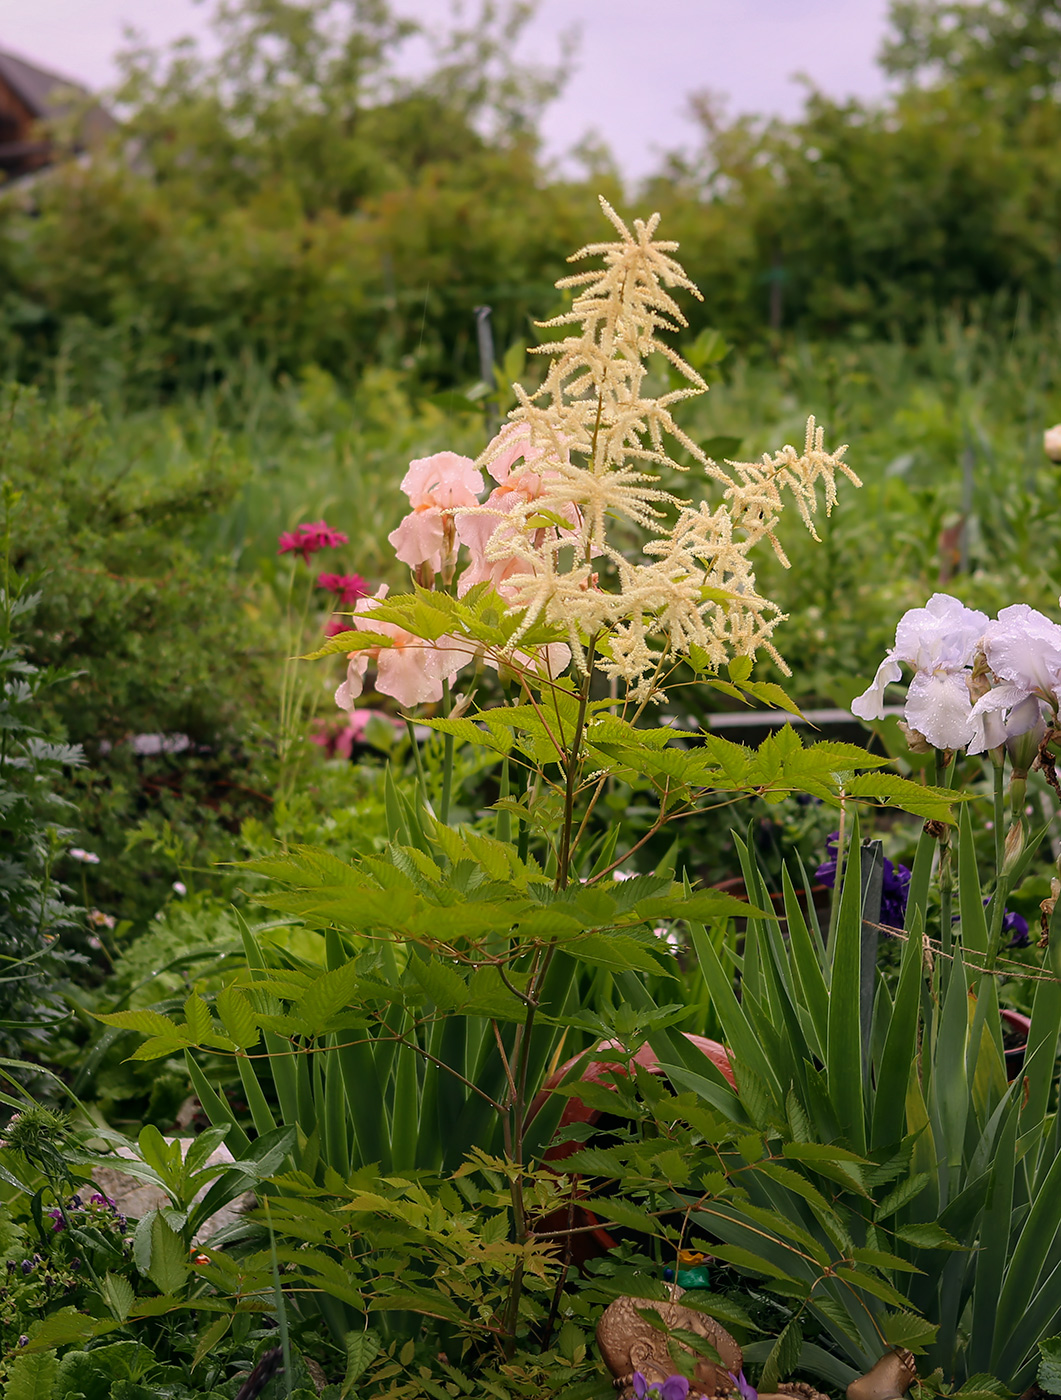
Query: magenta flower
(346, 587)
(336, 627)
(308, 539)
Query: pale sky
(637, 61)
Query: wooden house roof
(41, 91)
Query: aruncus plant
(461, 963)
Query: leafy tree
(1006, 51)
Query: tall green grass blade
(813, 922)
(872, 858)
(993, 1253)
(751, 979)
(216, 1108)
(970, 896)
(1040, 1057)
(335, 1118)
(741, 1035)
(808, 968)
(1037, 1239)
(281, 1062)
(900, 1045)
(261, 1113)
(843, 1063)
(405, 1112)
(948, 1097)
(920, 879)
(365, 1104)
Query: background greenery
(259, 305)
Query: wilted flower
(308, 539)
(346, 587)
(180, 888)
(940, 642)
(85, 857)
(1052, 442)
(58, 1223)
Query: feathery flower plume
(593, 443)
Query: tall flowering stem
(533, 576)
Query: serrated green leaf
(442, 983)
(907, 1329)
(118, 1295)
(784, 1356)
(145, 1021)
(197, 1018)
(158, 1047)
(211, 1337)
(361, 1350)
(934, 804)
(928, 1235)
(31, 1376)
(905, 1192)
(1050, 1365)
(237, 1017)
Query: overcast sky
(637, 60)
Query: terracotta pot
(1018, 1026)
(593, 1240)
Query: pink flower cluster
(308, 539)
(346, 587)
(445, 514)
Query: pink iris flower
(410, 669)
(515, 486)
(308, 539)
(436, 486)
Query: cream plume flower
(595, 442)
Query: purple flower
(1017, 927)
(743, 1388)
(57, 1217)
(673, 1388)
(895, 885)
